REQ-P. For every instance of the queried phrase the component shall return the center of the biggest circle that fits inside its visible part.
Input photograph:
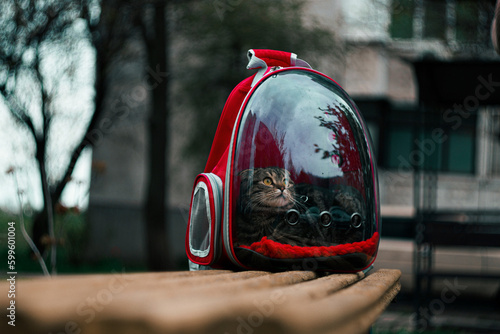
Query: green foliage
(71, 234)
(217, 36)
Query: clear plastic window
(199, 230)
(303, 181)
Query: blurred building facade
(383, 42)
(379, 40)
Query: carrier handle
(262, 58)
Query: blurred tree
(153, 24)
(217, 37)
(39, 48)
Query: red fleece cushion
(278, 250)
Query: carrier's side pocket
(203, 231)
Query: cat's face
(266, 188)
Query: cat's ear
(246, 174)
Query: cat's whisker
(297, 203)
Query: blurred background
(108, 110)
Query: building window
(467, 14)
(463, 21)
(398, 146)
(460, 152)
(407, 144)
(402, 19)
(434, 20)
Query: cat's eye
(267, 181)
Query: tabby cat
(266, 194)
(271, 205)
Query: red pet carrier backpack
(290, 182)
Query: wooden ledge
(213, 301)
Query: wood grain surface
(213, 301)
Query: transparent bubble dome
(303, 184)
